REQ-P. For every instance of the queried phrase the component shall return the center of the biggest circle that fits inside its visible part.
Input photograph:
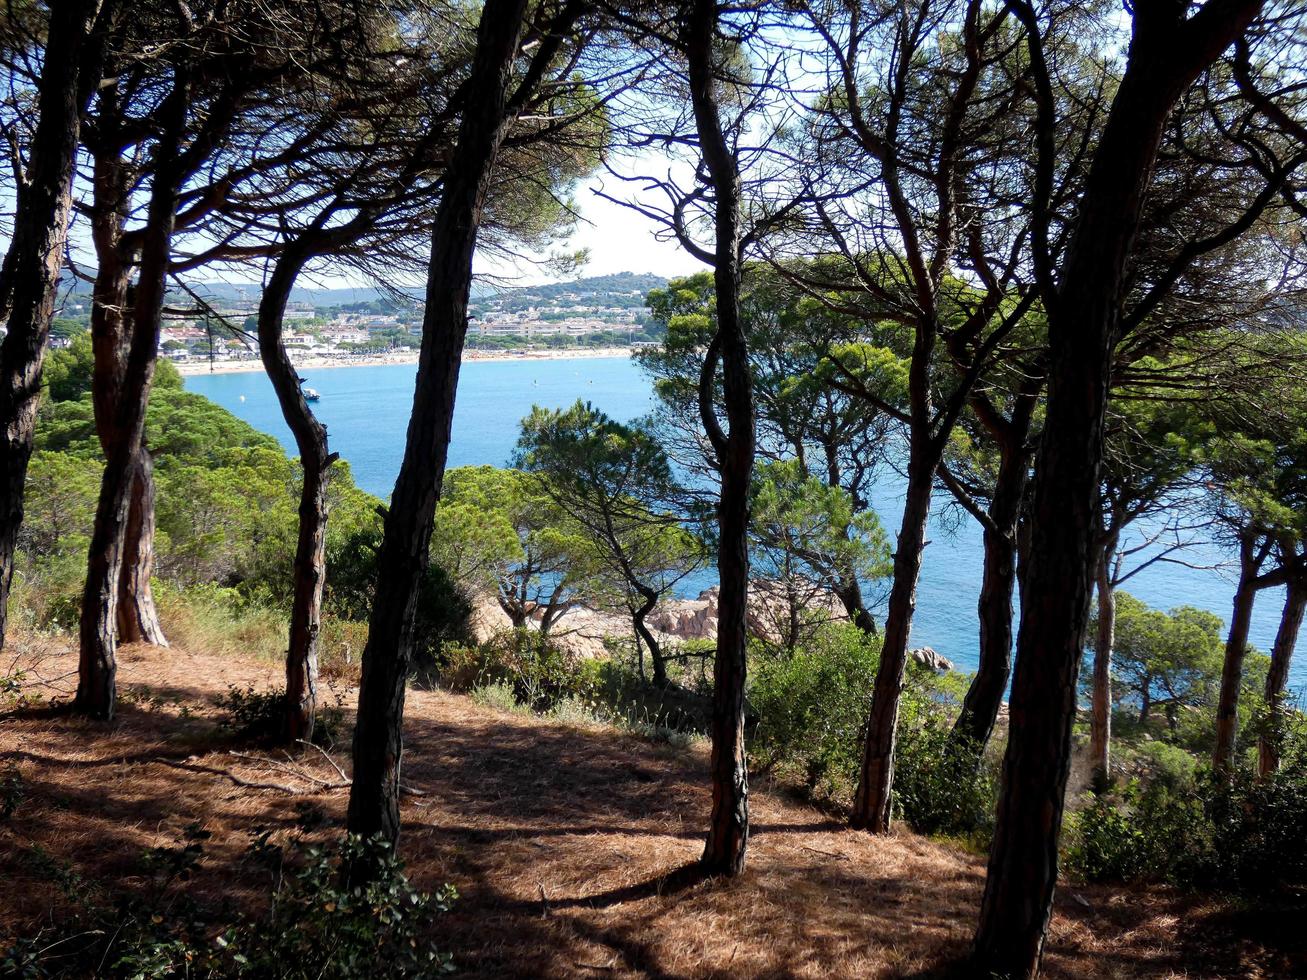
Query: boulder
(928, 658)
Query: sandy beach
(321, 363)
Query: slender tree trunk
(309, 573)
(403, 558)
(96, 687)
(1100, 726)
(728, 828)
(138, 620)
(1084, 313)
(1236, 649)
(984, 697)
(30, 276)
(872, 803)
(849, 594)
(650, 641)
(1286, 639)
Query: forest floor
(572, 847)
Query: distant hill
(621, 289)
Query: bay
(366, 412)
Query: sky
(617, 238)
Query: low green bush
(323, 921)
(1238, 833)
(539, 673)
(260, 716)
(811, 708)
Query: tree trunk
(650, 641)
(984, 697)
(309, 574)
(1236, 648)
(30, 277)
(96, 690)
(403, 558)
(1084, 314)
(1286, 638)
(111, 319)
(138, 620)
(849, 594)
(1100, 725)
(872, 803)
(728, 828)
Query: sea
(366, 412)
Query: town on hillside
(220, 325)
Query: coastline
(320, 363)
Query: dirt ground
(572, 848)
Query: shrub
(322, 922)
(260, 716)
(941, 786)
(812, 708)
(812, 705)
(1242, 833)
(539, 673)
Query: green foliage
(443, 608)
(260, 716)
(537, 671)
(1166, 660)
(812, 707)
(13, 790)
(498, 532)
(323, 921)
(1190, 827)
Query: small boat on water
(311, 395)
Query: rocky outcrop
(927, 657)
(582, 631)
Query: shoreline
(319, 363)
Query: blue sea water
(366, 412)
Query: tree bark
(309, 574)
(1286, 639)
(30, 277)
(645, 636)
(1236, 649)
(1167, 52)
(984, 697)
(96, 686)
(402, 560)
(111, 332)
(872, 802)
(728, 826)
(138, 620)
(1100, 726)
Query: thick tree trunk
(1286, 639)
(30, 276)
(111, 319)
(378, 744)
(1100, 725)
(1084, 314)
(96, 691)
(1236, 649)
(728, 827)
(138, 620)
(984, 697)
(872, 802)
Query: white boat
(311, 395)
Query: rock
(927, 657)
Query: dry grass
(572, 849)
